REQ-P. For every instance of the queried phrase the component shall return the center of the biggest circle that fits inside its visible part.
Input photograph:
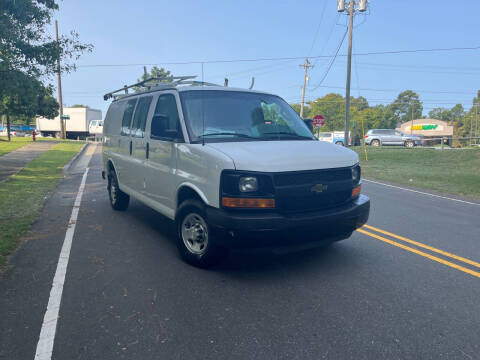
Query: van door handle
(147, 151)
(130, 147)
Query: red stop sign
(318, 120)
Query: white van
(231, 167)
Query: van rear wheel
(118, 199)
(196, 240)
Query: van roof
(184, 88)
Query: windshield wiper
(288, 133)
(229, 133)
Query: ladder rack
(160, 82)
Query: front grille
(294, 189)
(312, 176)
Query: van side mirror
(160, 128)
(309, 123)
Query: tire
(339, 143)
(409, 144)
(375, 143)
(118, 199)
(196, 240)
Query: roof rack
(160, 82)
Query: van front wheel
(118, 199)
(196, 240)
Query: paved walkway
(15, 161)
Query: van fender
(193, 187)
(107, 163)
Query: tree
(29, 52)
(306, 110)
(407, 106)
(25, 96)
(154, 73)
(25, 43)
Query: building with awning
(427, 128)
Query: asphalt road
(127, 295)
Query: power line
(283, 58)
(332, 61)
(318, 27)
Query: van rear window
(127, 116)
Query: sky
(128, 34)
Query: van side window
(127, 116)
(114, 117)
(165, 121)
(140, 117)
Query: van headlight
(356, 173)
(248, 184)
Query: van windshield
(219, 116)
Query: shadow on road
(258, 261)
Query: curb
(69, 164)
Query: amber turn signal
(248, 203)
(356, 190)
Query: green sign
(65, 117)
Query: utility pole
(411, 124)
(351, 12)
(306, 66)
(362, 6)
(59, 77)
(476, 122)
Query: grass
(22, 196)
(450, 171)
(17, 142)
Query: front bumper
(265, 229)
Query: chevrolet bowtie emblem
(318, 188)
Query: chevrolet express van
(232, 168)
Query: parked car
(13, 132)
(378, 137)
(95, 127)
(335, 137)
(325, 136)
(231, 167)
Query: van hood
(290, 155)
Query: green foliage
(307, 111)
(155, 72)
(25, 42)
(407, 106)
(28, 52)
(22, 95)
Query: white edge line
(49, 326)
(421, 192)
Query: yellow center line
(431, 248)
(421, 253)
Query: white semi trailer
(77, 122)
